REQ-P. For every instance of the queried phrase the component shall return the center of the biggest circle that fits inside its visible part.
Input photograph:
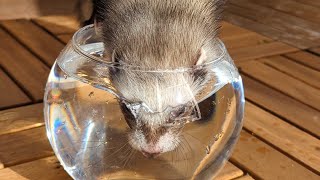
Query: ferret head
(158, 35)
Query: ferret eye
(177, 112)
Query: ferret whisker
(185, 133)
(117, 150)
(185, 151)
(172, 155)
(187, 142)
(134, 153)
(185, 158)
(180, 153)
(128, 159)
(176, 158)
(115, 159)
(126, 155)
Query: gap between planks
(315, 50)
(45, 46)
(244, 45)
(305, 58)
(293, 69)
(283, 83)
(22, 118)
(29, 72)
(24, 146)
(292, 141)
(293, 111)
(285, 23)
(262, 161)
(11, 94)
(295, 8)
(50, 168)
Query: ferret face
(156, 107)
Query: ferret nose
(150, 154)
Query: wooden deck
(280, 139)
(296, 22)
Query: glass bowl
(117, 121)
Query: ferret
(158, 35)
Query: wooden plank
(49, 168)
(65, 37)
(228, 172)
(264, 162)
(294, 111)
(15, 9)
(295, 8)
(25, 68)
(246, 40)
(259, 51)
(282, 21)
(310, 2)
(59, 24)
(298, 71)
(284, 83)
(291, 140)
(246, 177)
(24, 146)
(22, 118)
(276, 34)
(10, 94)
(231, 31)
(35, 38)
(316, 50)
(46, 168)
(305, 58)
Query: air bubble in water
(208, 149)
(91, 94)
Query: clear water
(88, 132)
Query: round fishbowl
(109, 120)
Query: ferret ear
(202, 56)
(206, 53)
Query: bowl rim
(77, 47)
